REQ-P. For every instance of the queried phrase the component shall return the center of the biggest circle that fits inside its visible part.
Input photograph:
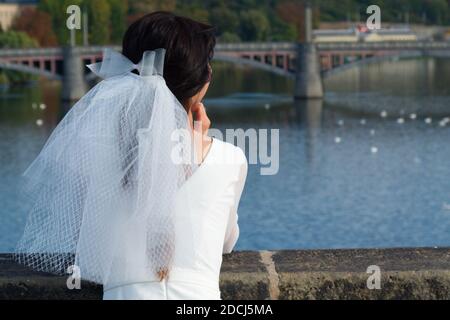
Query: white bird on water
(444, 122)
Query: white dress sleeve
(232, 231)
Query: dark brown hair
(189, 49)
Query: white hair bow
(115, 64)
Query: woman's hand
(201, 125)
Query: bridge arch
(371, 60)
(384, 58)
(391, 56)
(30, 70)
(255, 64)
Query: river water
(366, 167)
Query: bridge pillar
(308, 80)
(74, 85)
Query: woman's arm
(232, 232)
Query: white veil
(104, 184)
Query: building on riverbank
(10, 9)
(363, 34)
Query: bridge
(280, 58)
(277, 57)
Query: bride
(129, 189)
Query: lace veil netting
(101, 191)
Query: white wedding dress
(207, 201)
(109, 197)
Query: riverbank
(288, 274)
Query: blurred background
(366, 165)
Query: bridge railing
(252, 46)
(49, 52)
(415, 45)
(30, 52)
(256, 46)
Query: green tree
(229, 37)
(282, 31)
(99, 13)
(194, 11)
(148, 6)
(16, 39)
(38, 25)
(224, 20)
(254, 25)
(437, 11)
(119, 10)
(12, 40)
